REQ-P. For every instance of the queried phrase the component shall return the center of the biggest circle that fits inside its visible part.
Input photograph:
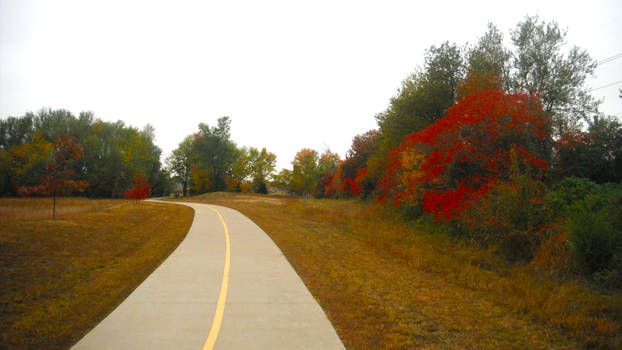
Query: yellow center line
(222, 298)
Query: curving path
(262, 302)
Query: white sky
(290, 74)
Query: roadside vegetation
(61, 277)
(501, 146)
(386, 282)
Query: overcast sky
(290, 74)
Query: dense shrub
(594, 224)
(567, 192)
(511, 218)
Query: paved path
(265, 304)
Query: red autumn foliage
(57, 183)
(141, 189)
(353, 186)
(469, 150)
(326, 182)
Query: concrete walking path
(265, 304)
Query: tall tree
(180, 163)
(261, 165)
(540, 67)
(213, 154)
(489, 54)
(327, 167)
(304, 176)
(240, 169)
(54, 123)
(424, 96)
(16, 131)
(363, 146)
(488, 63)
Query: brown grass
(60, 278)
(41, 208)
(386, 284)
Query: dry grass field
(60, 278)
(386, 284)
(41, 208)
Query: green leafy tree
(26, 163)
(489, 57)
(213, 154)
(261, 165)
(424, 96)
(422, 99)
(540, 67)
(16, 131)
(56, 123)
(240, 170)
(304, 176)
(103, 159)
(328, 163)
(282, 180)
(180, 163)
(327, 167)
(114, 153)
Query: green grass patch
(60, 278)
(386, 283)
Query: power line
(608, 85)
(609, 59)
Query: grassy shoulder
(60, 278)
(385, 283)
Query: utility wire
(608, 85)
(609, 59)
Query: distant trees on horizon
(209, 161)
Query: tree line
(111, 153)
(502, 145)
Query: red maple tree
(141, 189)
(57, 183)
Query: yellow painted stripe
(222, 298)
